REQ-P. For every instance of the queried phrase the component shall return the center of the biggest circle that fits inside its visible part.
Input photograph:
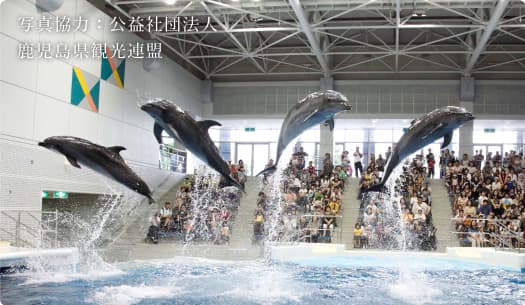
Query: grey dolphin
(190, 133)
(104, 160)
(315, 108)
(428, 128)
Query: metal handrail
(41, 226)
(336, 232)
(503, 237)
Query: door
(254, 155)
(261, 155)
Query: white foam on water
(128, 295)
(63, 277)
(269, 287)
(412, 287)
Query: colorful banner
(113, 69)
(85, 90)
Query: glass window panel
(260, 158)
(357, 135)
(396, 135)
(215, 134)
(382, 135)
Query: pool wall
(488, 256)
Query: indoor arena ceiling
(345, 39)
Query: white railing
(501, 238)
(172, 159)
(31, 228)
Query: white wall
(35, 104)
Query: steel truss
(338, 37)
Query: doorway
(254, 155)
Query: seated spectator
(166, 216)
(470, 210)
(153, 230)
(358, 234)
(420, 216)
(485, 208)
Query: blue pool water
(336, 280)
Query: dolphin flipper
(269, 170)
(73, 161)
(330, 123)
(157, 131)
(310, 115)
(447, 139)
(206, 124)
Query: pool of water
(337, 280)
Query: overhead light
(374, 121)
(422, 13)
(170, 2)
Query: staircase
(441, 214)
(130, 244)
(350, 211)
(242, 231)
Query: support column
(207, 97)
(326, 143)
(369, 147)
(466, 134)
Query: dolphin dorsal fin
(157, 131)
(206, 124)
(116, 149)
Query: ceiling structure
(345, 39)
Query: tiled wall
(35, 104)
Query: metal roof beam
(307, 30)
(482, 43)
(232, 37)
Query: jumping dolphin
(428, 128)
(190, 133)
(314, 109)
(104, 160)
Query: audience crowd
(487, 197)
(311, 202)
(486, 194)
(201, 210)
(410, 201)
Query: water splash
(87, 235)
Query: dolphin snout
(43, 144)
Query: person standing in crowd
(345, 161)
(380, 163)
(328, 165)
(301, 158)
(358, 156)
(388, 153)
(431, 161)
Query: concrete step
(441, 214)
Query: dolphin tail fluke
(236, 183)
(150, 199)
(270, 170)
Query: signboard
(249, 129)
(60, 195)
